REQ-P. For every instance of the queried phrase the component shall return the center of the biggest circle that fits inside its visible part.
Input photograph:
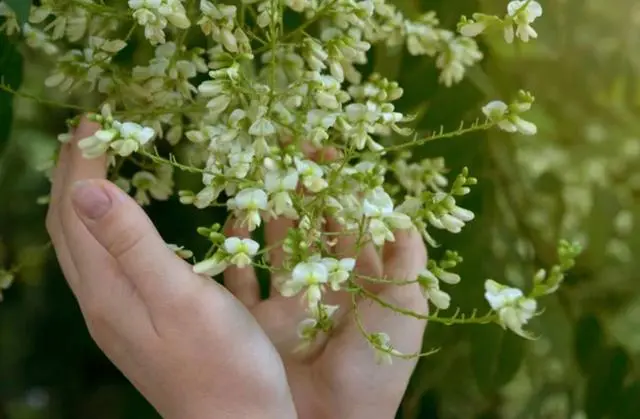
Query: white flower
(377, 203)
(131, 137)
(378, 206)
(451, 223)
(339, 271)
(431, 289)
(180, 251)
(250, 202)
(498, 112)
(379, 232)
(513, 308)
(312, 175)
(149, 4)
(206, 196)
(251, 199)
(97, 144)
(383, 349)
(399, 221)
(523, 127)
(262, 128)
(218, 104)
(309, 275)
(280, 180)
(278, 183)
(240, 250)
(159, 186)
(212, 266)
(495, 110)
(307, 330)
(523, 17)
(10, 25)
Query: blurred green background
(576, 179)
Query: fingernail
(91, 200)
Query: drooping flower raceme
(279, 122)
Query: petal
(473, 29)
(330, 263)
(534, 10)
(212, 266)
(348, 264)
(252, 246)
(441, 299)
(514, 6)
(507, 126)
(232, 244)
(449, 277)
(291, 288)
(495, 109)
(462, 214)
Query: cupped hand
(196, 350)
(185, 342)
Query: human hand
(185, 342)
(339, 377)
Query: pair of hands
(195, 349)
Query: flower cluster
(508, 116)
(520, 14)
(513, 308)
(435, 272)
(278, 122)
(123, 138)
(155, 16)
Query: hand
(190, 347)
(339, 377)
(185, 342)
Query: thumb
(120, 225)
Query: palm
(339, 374)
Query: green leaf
(496, 356)
(629, 404)
(606, 382)
(589, 341)
(21, 9)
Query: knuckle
(124, 240)
(95, 315)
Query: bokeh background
(576, 179)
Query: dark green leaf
(629, 404)
(588, 341)
(606, 382)
(21, 8)
(496, 357)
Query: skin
(195, 349)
